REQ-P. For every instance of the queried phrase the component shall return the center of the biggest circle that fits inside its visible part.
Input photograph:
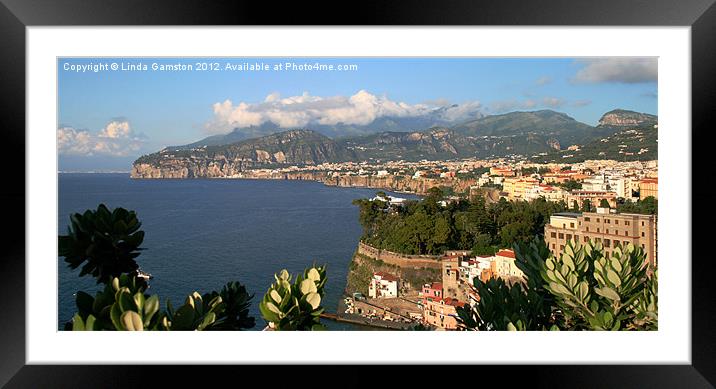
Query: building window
(586, 219)
(586, 239)
(561, 235)
(606, 242)
(642, 224)
(553, 234)
(626, 233)
(569, 236)
(597, 229)
(626, 223)
(571, 225)
(587, 228)
(561, 247)
(616, 221)
(608, 221)
(642, 234)
(597, 220)
(607, 231)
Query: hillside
(542, 135)
(639, 143)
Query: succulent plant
(123, 306)
(105, 243)
(581, 289)
(296, 305)
(601, 293)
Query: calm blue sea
(202, 233)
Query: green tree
(483, 245)
(570, 185)
(603, 203)
(587, 206)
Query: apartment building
(606, 226)
(516, 188)
(594, 197)
(442, 312)
(649, 187)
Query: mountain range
(529, 134)
(445, 116)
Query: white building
(621, 186)
(595, 184)
(399, 201)
(472, 268)
(383, 285)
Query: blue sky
(109, 117)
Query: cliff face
(399, 183)
(624, 118)
(298, 147)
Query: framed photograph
(512, 186)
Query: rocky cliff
(296, 147)
(624, 118)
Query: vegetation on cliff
(427, 227)
(362, 268)
(635, 143)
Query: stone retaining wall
(401, 260)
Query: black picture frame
(16, 15)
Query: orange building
(442, 312)
(649, 187)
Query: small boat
(145, 275)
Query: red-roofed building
(432, 291)
(383, 285)
(503, 264)
(506, 253)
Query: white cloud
(464, 111)
(115, 139)
(116, 129)
(619, 70)
(298, 111)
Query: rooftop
(505, 253)
(568, 214)
(386, 276)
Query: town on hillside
(607, 202)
